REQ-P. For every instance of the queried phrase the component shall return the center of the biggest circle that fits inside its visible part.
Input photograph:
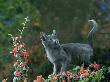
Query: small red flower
(18, 73)
(27, 60)
(14, 51)
(76, 77)
(68, 75)
(25, 53)
(95, 66)
(63, 81)
(54, 77)
(84, 72)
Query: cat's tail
(93, 24)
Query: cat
(64, 54)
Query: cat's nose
(56, 42)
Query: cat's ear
(42, 35)
(54, 32)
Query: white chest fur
(50, 55)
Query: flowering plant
(79, 74)
(95, 66)
(21, 54)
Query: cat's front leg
(54, 68)
(64, 66)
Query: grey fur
(75, 53)
(91, 33)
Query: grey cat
(61, 55)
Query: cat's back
(76, 47)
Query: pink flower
(14, 51)
(25, 53)
(17, 73)
(95, 66)
(84, 72)
(27, 60)
(76, 77)
(54, 77)
(68, 75)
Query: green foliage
(96, 76)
